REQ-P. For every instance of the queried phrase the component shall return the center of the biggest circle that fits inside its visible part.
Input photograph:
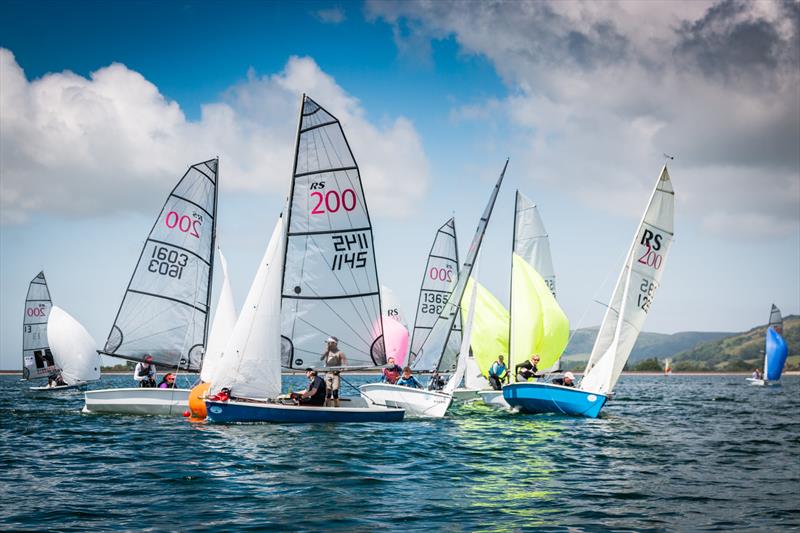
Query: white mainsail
(432, 351)
(37, 358)
(164, 312)
(438, 282)
(634, 291)
(250, 365)
(222, 326)
(330, 282)
(463, 354)
(74, 350)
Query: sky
(104, 105)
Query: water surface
(689, 453)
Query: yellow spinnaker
(539, 326)
(489, 336)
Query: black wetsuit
(526, 369)
(318, 398)
(560, 381)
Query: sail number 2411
(351, 250)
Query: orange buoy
(197, 402)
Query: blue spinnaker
(776, 355)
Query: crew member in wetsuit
(314, 393)
(408, 380)
(527, 369)
(56, 380)
(333, 357)
(391, 373)
(498, 373)
(145, 372)
(567, 381)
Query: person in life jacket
(391, 373)
(168, 381)
(527, 369)
(145, 372)
(408, 380)
(498, 372)
(314, 394)
(333, 357)
(567, 381)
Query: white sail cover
(438, 282)
(222, 326)
(74, 350)
(164, 312)
(37, 359)
(634, 292)
(250, 365)
(430, 354)
(330, 284)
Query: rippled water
(677, 453)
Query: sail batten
(330, 282)
(164, 312)
(37, 358)
(433, 348)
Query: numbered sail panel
(37, 358)
(354, 321)
(531, 241)
(164, 311)
(634, 292)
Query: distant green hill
(743, 351)
(648, 345)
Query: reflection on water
(685, 453)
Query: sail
(438, 282)
(330, 282)
(164, 312)
(37, 359)
(463, 353)
(538, 325)
(222, 326)
(432, 350)
(391, 306)
(250, 363)
(395, 328)
(634, 291)
(776, 349)
(531, 241)
(489, 336)
(74, 350)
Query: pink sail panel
(395, 337)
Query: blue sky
(106, 104)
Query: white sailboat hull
(763, 382)
(137, 401)
(416, 402)
(58, 388)
(466, 395)
(494, 398)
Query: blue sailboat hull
(548, 398)
(260, 412)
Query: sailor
(314, 393)
(498, 373)
(333, 357)
(567, 381)
(55, 380)
(391, 373)
(145, 372)
(408, 380)
(756, 374)
(168, 382)
(527, 369)
(436, 382)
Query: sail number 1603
(167, 262)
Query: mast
(511, 371)
(213, 250)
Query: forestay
(37, 359)
(250, 365)
(433, 348)
(222, 326)
(634, 291)
(164, 312)
(74, 350)
(330, 281)
(438, 282)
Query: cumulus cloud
(599, 90)
(80, 146)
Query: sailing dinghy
(775, 352)
(164, 312)
(624, 317)
(317, 279)
(37, 357)
(431, 353)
